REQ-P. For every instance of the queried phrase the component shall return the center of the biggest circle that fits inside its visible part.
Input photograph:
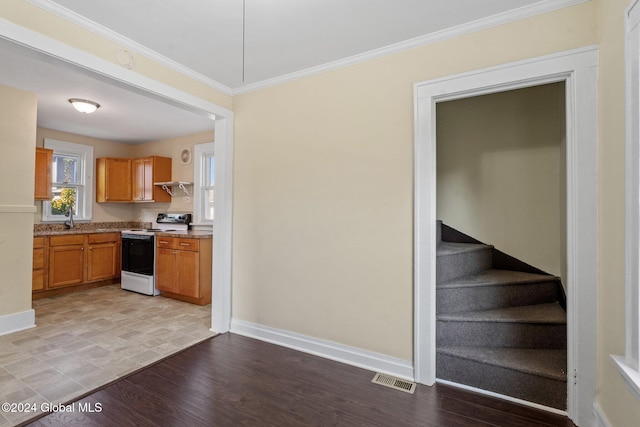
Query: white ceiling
(205, 38)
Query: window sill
(630, 375)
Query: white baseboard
(601, 418)
(354, 356)
(17, 322)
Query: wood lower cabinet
(38, 281)
(44, 161)
(113, 180)
(183, 268)
(103, 256)
(75, 260)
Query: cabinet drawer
(166, 242)
(38, 258)
(187, 244)
(75, 239)
(38, 242)
(103, 237)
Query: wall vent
(393, 382)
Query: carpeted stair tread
(551, 313)
(450, 248)
(494, 277)
(540, 362)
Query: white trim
(578, 69)
(353, 356)
(629, 364)
(524, 12)
(600, 418)
(221, 306)
(16, 322)
(94, 27)
(200, 150)
(504, 397)
(17, 209)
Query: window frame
(84, 192)
(629, 364)
(201, 153)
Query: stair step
(534, 375)
(540, 326)
(539, 313)
(491, 289)
(455, 260)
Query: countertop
(111, 227)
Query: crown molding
(438, 36)
(119, 39)
(524, 12)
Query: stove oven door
(138, 253)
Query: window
(629, 363)
(204, 178)
(72, 176)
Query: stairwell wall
(501, 170)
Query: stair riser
(458, 265)
(532, 388)
(501, 334)
(475, 298)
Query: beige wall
(323, 191)
(499, 172)
(619, 405)
(17, 151)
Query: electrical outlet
(186, 199)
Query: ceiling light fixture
(84, 105)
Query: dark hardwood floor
(231, 380)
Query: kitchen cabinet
(38, 279)
(44, 161)
(183, 268)
(103, 260)
(146, 171)
(80, 259)
(113, 180)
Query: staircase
(501, 324)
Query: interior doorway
(578, 70)
(501, 181)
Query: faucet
(69, 213)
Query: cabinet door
(66, 265)
(143, 179)
(102, 261)
(113, 180)
(188, 273)
(166, 270)
(44, 160)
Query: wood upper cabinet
(146, 171)
(44, 160)
(83, 258)
(113, 180)
(183, 268)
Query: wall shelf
(168, 186)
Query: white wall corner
(375, 362)
(17, 322)
(601, 418)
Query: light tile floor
(87, 339)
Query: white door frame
(578, 69)
(119, 76)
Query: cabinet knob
(82, 248)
